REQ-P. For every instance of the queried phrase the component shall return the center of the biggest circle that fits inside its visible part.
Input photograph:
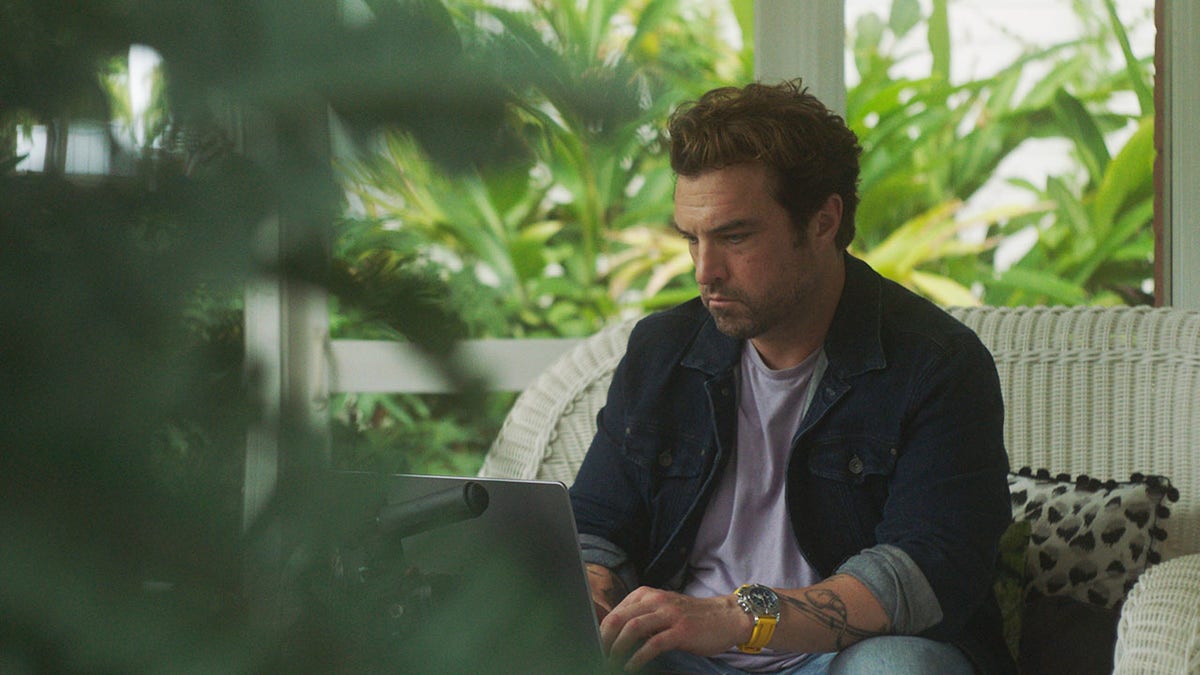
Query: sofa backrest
(552, 422)
(1104, 392)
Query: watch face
(759, 600)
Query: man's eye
(736, 238)
(689, 238)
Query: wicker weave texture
(1159, 631)
(552, 422)
(1104, 392)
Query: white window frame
(1179, 163)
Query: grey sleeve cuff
(899, 585)
(601, 551)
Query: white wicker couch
(1099, 391)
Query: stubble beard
(743, 321)
(748, 319)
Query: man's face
(759, 277)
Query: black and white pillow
(1089, 539)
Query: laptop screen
(464, 575)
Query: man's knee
(900, 654)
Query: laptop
(463, 574)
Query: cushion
(1089, 540)
(1053, 622)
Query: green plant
(1097, 246)
(552, 245)
(590, 101)
(930, 145)
(126, 408)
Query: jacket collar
(712, 351)
(852, 346)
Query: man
(803, 469)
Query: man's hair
(808, 148)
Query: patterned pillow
(1089, 540)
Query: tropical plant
(930, 145)
(550, 246)
(148, 128)
(118, 532)
(546, 234)
(1097, 243)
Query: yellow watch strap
(764, 628)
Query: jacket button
(664, 459)
(856, 465)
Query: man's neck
(789, 345)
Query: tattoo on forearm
(827, 608)
(607, 583)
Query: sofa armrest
(1159, 629)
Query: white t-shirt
(746, 534)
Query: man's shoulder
(909, 314)
(664, 337)
(681, 321)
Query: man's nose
(710, 265)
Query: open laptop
(465, 574)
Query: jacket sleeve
(948, 502)
(899, 586)
(610, 513)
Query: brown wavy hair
(808, 147)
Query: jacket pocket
(852, 458)
(665, 452)
(851, 474)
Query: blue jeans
(893, 654)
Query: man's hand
(607, 589)
(650, 621)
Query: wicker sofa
(1105, 392)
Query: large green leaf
(1041, 286)
(905, 15)
(1078, 125)
(939, 39)
(1137, 74)
(1130, 173)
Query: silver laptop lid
(468, 574)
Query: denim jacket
(902, 445)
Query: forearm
(607, 588)
(826, 617)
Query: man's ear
(829, 218)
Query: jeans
(892, 654)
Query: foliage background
(505, 177)
(125, 391)
(579, 233)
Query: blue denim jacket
(902, 445)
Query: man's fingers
(652, 647)
(650, 622)
(640, 632)
(633, 633)
(614, 621)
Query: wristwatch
(762, 603)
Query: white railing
(377, 366)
